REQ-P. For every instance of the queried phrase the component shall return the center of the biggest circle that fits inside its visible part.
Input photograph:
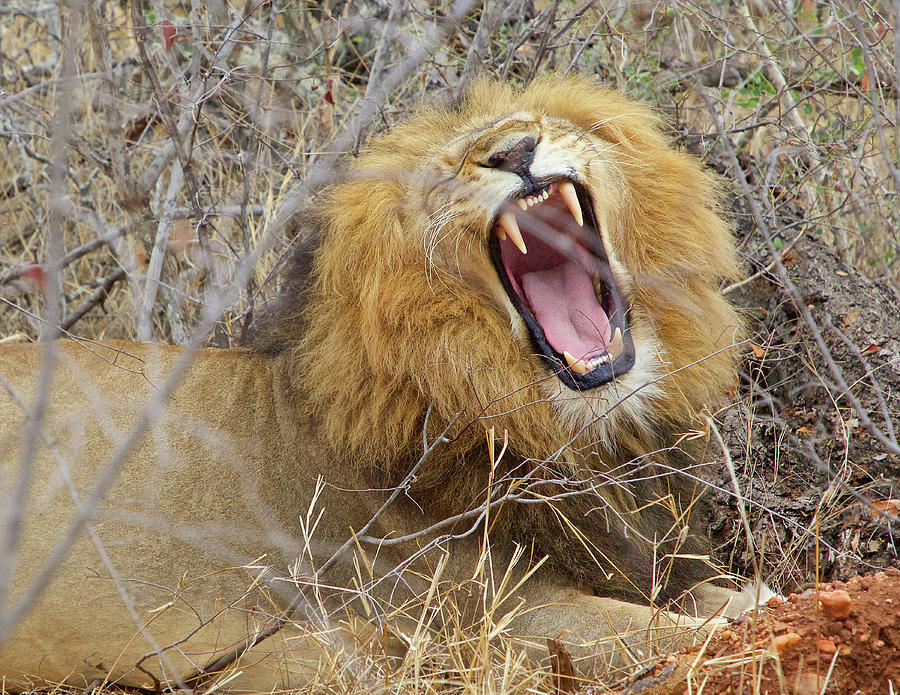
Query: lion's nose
(516, 159)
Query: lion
(486, 367)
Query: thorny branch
(14, 501)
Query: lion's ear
(671, 227)
(484, 95)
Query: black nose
(516, 159)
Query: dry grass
(145, 183)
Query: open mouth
(549, 256)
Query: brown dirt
(810, 469)
(841, 636)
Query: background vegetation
(148, 146)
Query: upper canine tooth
(616, 345)
(567, 191)
(576, 365)
(508, 224)
(522, 204)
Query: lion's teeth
(567, 191)
(532, 200)
(509, 225)
(576, 365)
(616, 346)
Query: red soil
(842, 636)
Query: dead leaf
(168, 33)
(790, 257)
(564, 680)
(182, 236)
(758, 351)
(37, 275)
(880, 507)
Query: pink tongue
(563, 302)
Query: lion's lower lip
(563, 287)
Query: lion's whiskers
(437, 221)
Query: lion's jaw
(541, 195)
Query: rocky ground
(840, 637)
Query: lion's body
(401, 324)
(186, 504)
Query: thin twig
(143, 320)
(870, 373)
(738, 495)
(72, 255)
(98, 296)
(767, 269)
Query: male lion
(536, 265)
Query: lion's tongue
(563, 301)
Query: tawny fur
(394, 311)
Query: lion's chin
(631, 398)
(550, 257)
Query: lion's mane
(389, 314)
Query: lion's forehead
(476, 128)
(476, 141)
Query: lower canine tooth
(616, 345)
(576, 365)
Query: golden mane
(383, 337)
